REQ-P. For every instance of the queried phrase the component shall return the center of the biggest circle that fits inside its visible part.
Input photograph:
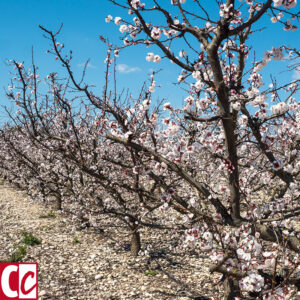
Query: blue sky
(83, 23)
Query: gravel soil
(89, 264)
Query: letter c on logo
(28, 274)
(5, 281)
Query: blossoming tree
(242, 164)
(223, 170)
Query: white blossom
(252, 283)
(155, 33)
(118, 20)
(123, 28)
(108, 18)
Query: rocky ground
(87, 264)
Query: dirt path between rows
(84, 264)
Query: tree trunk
(58, 203)
(135, 246)
(232, 289)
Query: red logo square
(18, 281)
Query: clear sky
(83, 23)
